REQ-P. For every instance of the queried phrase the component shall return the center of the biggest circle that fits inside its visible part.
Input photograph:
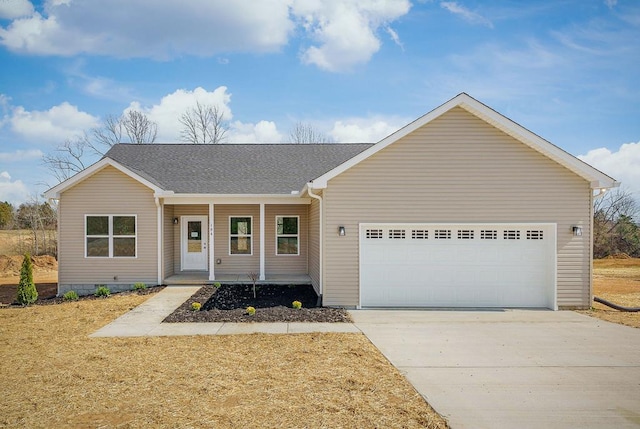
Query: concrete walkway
(146, 321)
(514, 368)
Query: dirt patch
(273, 303)
(46, 291)
(53, 375)
(616, 280)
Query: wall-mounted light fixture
(577, 230)
(175, 220)
(342, 231)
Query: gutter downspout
(159, 234)
(321, 241)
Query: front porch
(223, 242)
(200, 277)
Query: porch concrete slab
(505, 369)
(304, 328)
(253, 328)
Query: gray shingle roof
(233, 168)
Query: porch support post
(212, 275)
(262, 276)
(159, 241)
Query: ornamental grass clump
(251, 311)
(27, 293)
(102, 291)
(297, 305)
(139, 286)
(71, 295)
(196, 306)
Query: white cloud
(262, 132)
(167, 113)
(623, 164)
(20, 155)
(394, 36)
(345, 31)
(12, 191)
(611, 3)
(12, 9)
(465, 13)
(57, 124)
(342, 33)
(364, 130)
(161, 29)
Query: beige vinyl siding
(236, 264)
(108, 192)
(178, 211)
(314, 243)
(455, 169)
(286, 264)
(168, 241)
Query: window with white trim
(287, 235)
(240, 235)
(110, 236)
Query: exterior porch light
(342, 231)
(175, 220)
(577, 231)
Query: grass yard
(53, 375)
(618, 281)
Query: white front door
(194, 234)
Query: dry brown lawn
(53, 375)
(618, 281)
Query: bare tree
(68, 159)
(615, 224)
(305, 133)
(203, 124)
(132, 127)
(74, 155)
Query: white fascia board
(178, 199)
(54, 193)
(495, 119)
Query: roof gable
(596, 178)
(54, 193)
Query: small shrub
(297, 305)
(251, 311)
(27, 293)
(196, 306)
(217, 285)
(139, 286)
(102, 291)
(71, 295)
(253, 276)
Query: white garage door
(457, 265)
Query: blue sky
(356, 70)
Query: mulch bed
(47, 294)
(272, 303)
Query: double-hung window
(110, 236)
(240, 235)
(287, 235)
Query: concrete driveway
(514, 368)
